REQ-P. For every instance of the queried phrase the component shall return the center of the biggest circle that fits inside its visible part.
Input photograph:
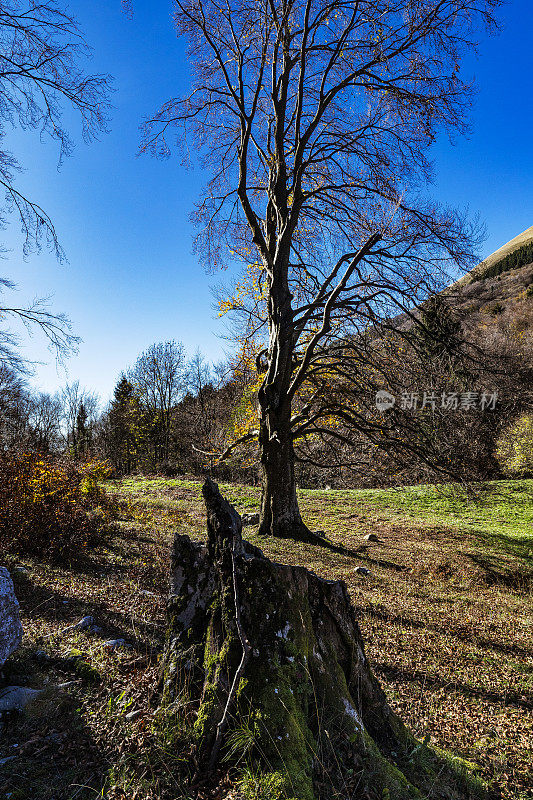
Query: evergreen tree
(439, 332)
(82, 438)
(125, 427)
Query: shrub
(515, 447)
(50, 509)
(169, 469)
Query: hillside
(479, 272)
(498, 290)
(496, 297)
(484, 299)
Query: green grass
(497, 507)
(499, 512)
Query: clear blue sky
(124, 221)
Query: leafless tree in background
(159, 377)
(80, 414)
(46, 416)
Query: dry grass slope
(526, 237)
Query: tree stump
(273, 657)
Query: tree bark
(272, 658)
(280, 513)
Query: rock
(95, 629)
(10, 626)
(114, 644)
(362, 571)
(15, 698)
(371, 537)
(83, 624)
(250, 519)
(41, 656)
(21, 571)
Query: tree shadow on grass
(55, 754)
(359, 553)
(498, 573)
(477, 641)
(517, 546)
(55, 607)
(410, 675)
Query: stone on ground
(10, 625)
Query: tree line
(454, 397)
(166, 412)
(520, 257)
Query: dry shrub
(51, 509)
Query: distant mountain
(521, 247)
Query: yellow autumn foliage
(51, 509)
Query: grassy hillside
(495, 300)
(524, 238)
(490, 297)
(497, 291)
(446, 614)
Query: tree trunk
(280, 514)
(272, 660)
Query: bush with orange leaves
(51, 509)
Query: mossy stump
(283, 685)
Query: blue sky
(124, 221)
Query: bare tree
(56, 328)
(159, 377)
(200, 381)
(14, 408)
(80, 414)
(45, 418)
(41, 49)
(314, 118)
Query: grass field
(446, 614)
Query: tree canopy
(315, 119)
